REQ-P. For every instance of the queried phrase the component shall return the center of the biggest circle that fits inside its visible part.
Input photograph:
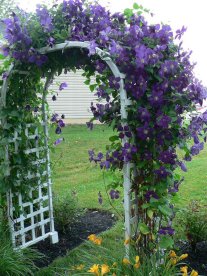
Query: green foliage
(16, 262)
(193, 221)
(155, 265)
(66, 209)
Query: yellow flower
(94, 269)
(126, 261)
(98, 241)
(173, 261)
(183, 256)
(80, 267)
(137, 259)
(194, 273)
(172, 254)
(92, 237)
(104, 269)
(127, 241)
(184, 270)
(137, 265)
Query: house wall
(75, 100)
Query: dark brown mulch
(91, 222)
(197, 257)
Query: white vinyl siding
(75, 100)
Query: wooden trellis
(36, 220)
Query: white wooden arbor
(36, 222)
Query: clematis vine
(159, 82)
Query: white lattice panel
(34, 220)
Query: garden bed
(92, 222)
(197, 259)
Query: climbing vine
(159, 82)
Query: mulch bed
(91, 222)
(197, 257)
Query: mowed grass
(72, 171)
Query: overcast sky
(192, 14)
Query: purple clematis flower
(196, 148)
(144, 132)
(179, 33)
(62, 86)
(54, 98)
(164, 121)
(182, 166)
(92, 48)
(54, 117)
(167, 157)
(156, 99)
(58, 141)
(45, 18)
(51, 42)
(150, 194)
(166, 231)
(144, 114)
(38, 59)
(58, 130)
(162, 172)
(61, 123)
(114, 194)
(114, 82)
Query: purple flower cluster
(45, 18)
(59, 123)
(114, 158)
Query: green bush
(66, 209)
(193, 220)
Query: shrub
(65, 209)
(194, 221)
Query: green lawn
(72, 171)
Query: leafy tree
(6, 7)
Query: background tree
(6, 7)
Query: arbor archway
(25, 226)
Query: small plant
(16, 262)
(65, 209)
(194, 221)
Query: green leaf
(128, 13)
(135, 6)
(92, 87)
(143, 228)
(166, 242)
(165, 210)
(2, 56)
(87, 82)
(150, 213)
(114, 138)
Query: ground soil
(91, 222)
(197, 256)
